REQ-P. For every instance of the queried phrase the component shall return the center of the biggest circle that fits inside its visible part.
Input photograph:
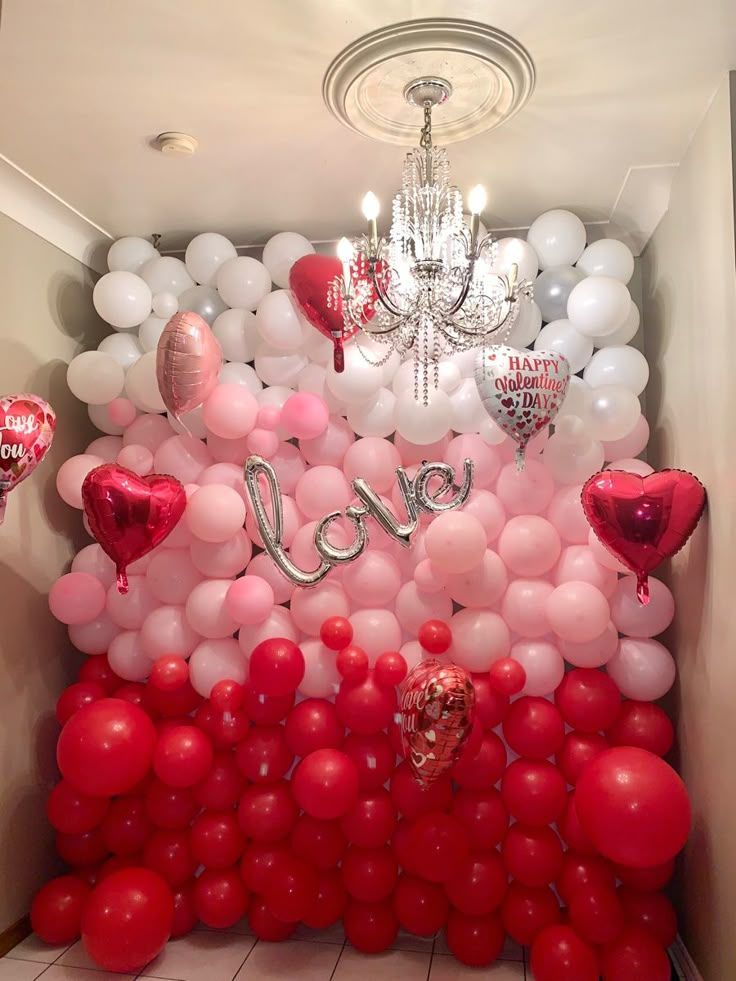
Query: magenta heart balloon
(188, 361)
(27, 425)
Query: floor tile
(34, 949)
(62, 972)
(446, 968)
(201, 956)
(391, 965)
(511, 951)
(14, 970)
(297, 959)
(334, 934)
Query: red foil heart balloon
(643, 520)
(130, 515)
(27, 425)
(437, 709)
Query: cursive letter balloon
(27, 425)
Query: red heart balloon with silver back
(27, 425)
(643, 520)
(130, 515)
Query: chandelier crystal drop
(430, 288)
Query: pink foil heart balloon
(643, 520)
(188, 360)
(437, 709)
(130, 515)
(27, 425)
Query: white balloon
(577, 399)
(141, 384)
(421, 424)
(275, 395)
(449, 377)
(124, 348)
(598, 305)
(237, 373)
(403, 380)
(129, 254)
(100, 418)
(527, 325)
(95, 377)
(243, 282)
(623, 334)
(608, 257)
(465, 360)
(316, 346)
(276, 367)
(150, 332)
(281, 252)
(561, 336)
(122, 299)
(314, 379)
(358, 382)
(490, 433)
(204, 256)
(618, 366)
(375, 417)
(552, 289)
(516, 250)
(236, 331)
(203, 300)
(557, 237)
(192, 423)
(166, 274)
(468, 413)
(571, 461)
(278, 321)
(612, 412)
(165, 304)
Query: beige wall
(46, 317)
(689, 285)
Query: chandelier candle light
(430, 282)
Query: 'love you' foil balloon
(643, 520)
(437, 710)
(522, 391)
(188, 360)
(130, 515)
(27, 425)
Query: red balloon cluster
(174, 809)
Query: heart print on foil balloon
(27, 425)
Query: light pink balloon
(631, 466)
(167, 631)
(455, 541)
(137, 458)
(121, 412)
(149, 430)
(77, 597)
(527, 491)
(642, 668)
(216, 660)
(373, 579)
(188, 359)
(321, 678)
(479, 637)
(375, 631)
(603, 556)
(412, 454)
(225, 559)
(543, 664)
(529, 545)
(303, 553)
(278, 623)
(487, 508)
(263, 442)
(481, 587)
(630, 445)
(233, 451)
(414, 654)
(592, 653)
(567, 515)
(524, 607)
(486, 459)
(639, 620)
(321, 490)
(215, 513)
(171, 575)
(429, 578)
(577, 611)
(230, 411)
(413, 607)
(129, 610)
(126, 656)
(375, 460)
(106, 447)
(293, 519)
(70, 477)
(229, 474)
(305, 415)
(93, 560)
(311, 607)
(182, 457)
(579, 564)
(181, 536)
(95, 636)
(249, 600)
(289, 465)
(269, 417)
(263, 565)
(206, 609)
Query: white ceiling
(85, 85)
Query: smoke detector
(176, 144)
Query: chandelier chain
(425, 140)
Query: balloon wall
(232, 746)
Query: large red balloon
(126, 826)
(438, 844)
(411, 799)
(484, 816)
(534, 791)
(170, 854)
(578, 749)
(647, 880)
(532, 856)
(422, 907)
(533, 727)
(276, 667)
(369, 874)
(478, 884)
(483, 768)
(475, 940)
(588, 699)
(365, 706)
(527, 911)
(635, 955)
(370, 927)
(220, 897)
(183, 756)
(373, 756)
(652, 911)
(559, 954)
(56, 910)
(645, 725)
(313, 724)
(596, 914)
(330, 900)
(106, 748)
(217, 840)
(72, 812)
(127, 919)
(371, 821)
(322, 843)
(267, 812)
(325, 784)
(634, 807)
(264, 755)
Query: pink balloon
(485, 458)
(642, 668)
(106, 447)
(630, 445)
(171, 575)
(321, 678)
(129, 610)
(375, 460)
(579, 564)
(527, 491)
(603, 556)
(636, 619)
(263, 565)
(412, 454)
(206, 609)
(188, 359)
(126, 657)
(524, 607)
(95, 636)
(567, 515)
(321, 490)
(529, 545)
(305, 415)
(543, 664)
(631, 466)
(228, 450)
(222, 560)
(215, 513)
(330, 448)
(229, 474)
(289, 465)
(230, 411)
(216, 660)
(430, 579)
(121, 412)
(293, 520)
(303, 552)
(249, 600)
(375, 631)
(413, 607)
(182, 457)
(167, 631)
(149, 430)
(479, 637)
(137, 458)
(481, 587)
(70, 477)
(77, 597)
(278, 623)
(263, 442)
(373, 579)
(488, 509)
(577, 611)
(455, 541)
(592, 653)
(413, 653)
(311, 607)
(269, 417)
(93, 560)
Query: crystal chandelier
(430, 288)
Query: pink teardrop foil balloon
(188, 360)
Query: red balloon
(325, 784)
(72, 812)
(330, 900)
(266, 710)
(336, 633)
(313, 724)
(634, 807)
(169, 807)
(216, 839)
(391, 669)
(127, 919)
(403, 848)
(533, 727)
(265, 925)
(475, 940)
(532, 856)
(643, 520)
(310, 282)
(223, 786)
(411, 799)
(370, 927)
(293, 892)
(490, 705)
(559, 954)
(129, 515)
(169, 853)
(369, 874)
(583, 872)
(262, 864)
(571, 830)
(225, 729)
(264, 755)
(320, 842)
(183, 756)
(371, 821)
(645, 725)
(373, 756)
(483, 769)
(527, 911)
(635, 956)
(438, 844)
(588, 699)
(169, 673)
(276, 666)
(649, 879)
(352, 663)
(435, 636)
(126, 826)
(507, 676)
(133, 692)
(172, 704)
(83, 849)
(185, 916)
(106, 748)
(227, 695)
(478, 884)
(56, 910)
(97, 669)
(483, 815)
(267, 812)
(76, 697)
(652, 911)
(220, 897)
(596, 914)
(534, 791)
(364, 706)
(422, 907)
(578, 749)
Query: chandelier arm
(382, 294)
(463, 294)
